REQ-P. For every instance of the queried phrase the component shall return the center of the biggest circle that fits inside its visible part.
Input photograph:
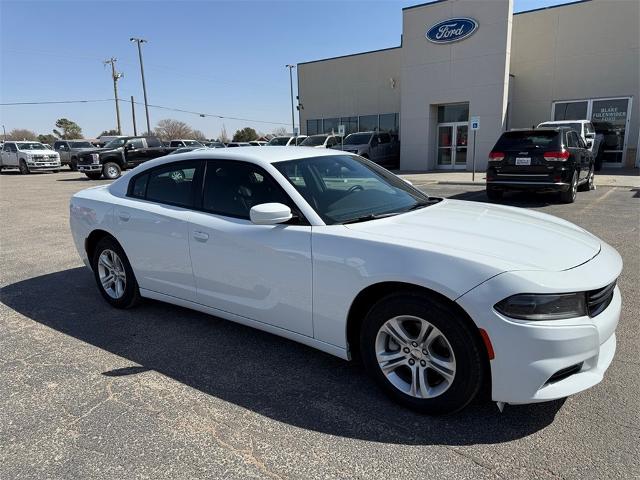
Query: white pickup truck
(29, 157)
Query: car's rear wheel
(73, 164)
(493, 194)
(422, 353)
(111, 170)
(24, 169)
(94, 175)
(113, 274)
(569, 196)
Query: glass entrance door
(452, 145)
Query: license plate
(523, 160)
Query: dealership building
(463, 64)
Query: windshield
(31, 146)
(192, 143)
(278, 141)
(357, 139)
(80, 145)
(118, 142)
(313, 141)
(345, 189)
(574, 126)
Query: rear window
(516, 140)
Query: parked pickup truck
(28, 157)
(70, 149)
(120, 154)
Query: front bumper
(530, 356)
(89, 168)
(43, 166)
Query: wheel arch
(92, 240)
(367, 297)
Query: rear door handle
(201, 236)
(124, 216)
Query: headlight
(95, 158)
(529, 306)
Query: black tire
(493, 194)
(588, 185)
(94, 175)
(131, 292)
(73, 164)
(569, 195)
(55, 171)
(111, 170)
(470, 368)
(24, 169)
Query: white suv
(586, 130)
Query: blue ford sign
(452, 30)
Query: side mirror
(270, 214)
(590, 135)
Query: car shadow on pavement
(264, 373)
(513, 199)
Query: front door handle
(124, 216)
(201, 236)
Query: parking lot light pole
(4, 131)
(293, 124)
(144, 87)
(133, 115)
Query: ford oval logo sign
(452, 30)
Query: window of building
(314, 127)
(330, 125)
(570, 111)
(350, 124)
(171, 184)
(455, 112)
(610, 118)
(389, 123)
(231, 188)
(368, 123)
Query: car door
(152, 224)
(259, 272)
(576, 154)
(10, 155)
(60, 147)
(586, 158)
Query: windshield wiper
(371, 216)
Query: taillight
(496, 156)
(561, 156)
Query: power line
(163, 107)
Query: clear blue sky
(213, 57)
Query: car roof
(556, 122)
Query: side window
(581, 143)
(136, 143)
(384, 138)
(6, 147)
(175, 143)
(13, 148)
(153, 142)
(171, 184)
(231, 188)
(57, 145)
(571, 141)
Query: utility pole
(144, 87)
(116, 76)
(5, 133)
(133, 115)
(293, 124)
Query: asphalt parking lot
(87, 391)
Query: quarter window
(171, 184)
(231, 188)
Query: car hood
(85, 149)
(508, 238)
(39, 152)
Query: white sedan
(439, 297)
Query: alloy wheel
(415, 357)
(113, 277)
(112, 172)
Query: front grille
(599, 300)
(565, 373)
(85, 159)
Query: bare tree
(224, 138)
(21, 134)
(169, 129)
(198, 135)
(280, 131)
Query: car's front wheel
(24, 169)
(422, 353)
(114, 275)
(111, 170)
